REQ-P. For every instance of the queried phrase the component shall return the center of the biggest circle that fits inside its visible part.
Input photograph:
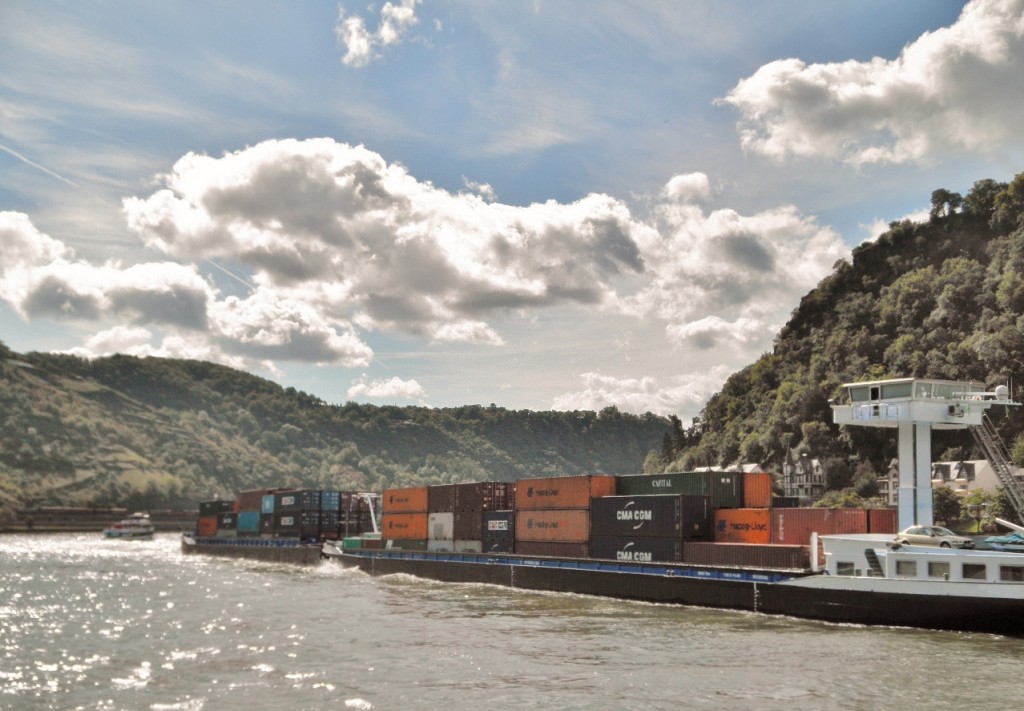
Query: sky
(556, 204)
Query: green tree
(946, 505)
(980, 506)
(837, 474)
(840, 499)
(865, 481)
(980, 201)
(1009, 205)
(944, 203)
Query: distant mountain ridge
(149, 432)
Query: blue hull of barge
(650, 582)
(276, 550)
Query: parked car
(933, 536)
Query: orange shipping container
(743, 526)
(757, 491)
(562, 492)
(553, 525)
(795, 526)
(404, 526)
(206, 526)
(411, 500)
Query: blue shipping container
(248, 522)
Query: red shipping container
(404, 526)
(468, 525)
(743, 526)
(441, 498)
(411, 500)
(553, 525)
(564, 492)
(470, 497)
(795, 526)
(883, 521)
(757, 491)
(251, 500)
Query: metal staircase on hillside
(998, 456)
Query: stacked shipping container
(648, 528)
(404, 519)
(553, 514)
(665, 518)
(306, 514)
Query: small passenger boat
(138, 525)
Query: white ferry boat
(138, 525)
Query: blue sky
(542, 205)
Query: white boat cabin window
(938, 570)
(906, 568)
(1011, 573)
(844, 567)
(974, 571)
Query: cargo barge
(868, 579)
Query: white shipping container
(441, 526)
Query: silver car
(933, 536)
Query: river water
(92, 624)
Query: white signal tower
(916, 406)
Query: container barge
(868, 579)
(710, 539)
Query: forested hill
(155, 433)
(939, 299)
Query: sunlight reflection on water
(94, 624)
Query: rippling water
(92, 624)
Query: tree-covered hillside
(939, 299)
(164, 433)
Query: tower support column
(923, 462)
(906, 502)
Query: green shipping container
(724, 489)
(648, 484)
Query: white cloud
(728, 281)
(38, 280)
(648, 394)
(333, 241)
(23, 246)
(139, 342)
(393, 388)
(363, 242)
(958, 88)
(468, 332)
(361, 44)
(689, 187)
